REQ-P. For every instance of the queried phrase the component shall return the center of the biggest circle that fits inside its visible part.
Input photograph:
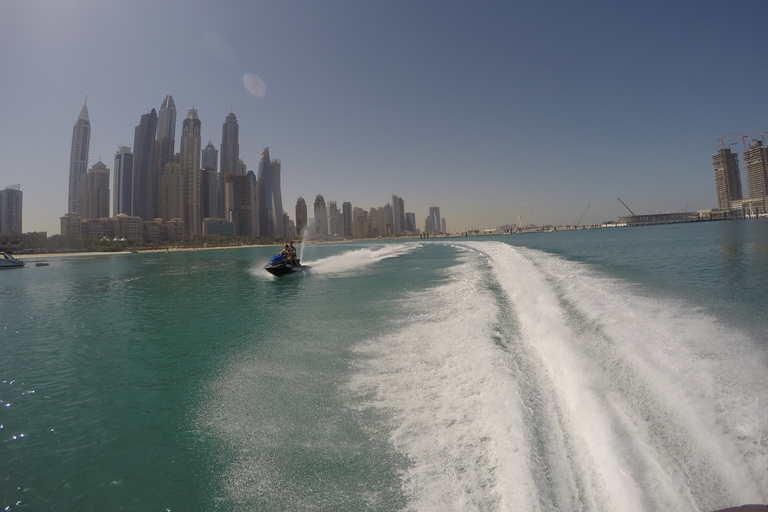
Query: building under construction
(756, 168)
(727, 178)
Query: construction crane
(722, 144)
(625, 206)
(583, 212)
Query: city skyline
(177, 187)
(494, 112)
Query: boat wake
(539, 384)
(351, 262)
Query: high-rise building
(333, 218)
(432, 226)
(410, 222)
(361, 225)
(209, 193)
(380, 221)
(166, 125)
(123, 181)
(240, 193)
(143, 188)
(301, 216)
(10, 210)
(384, 225)
(321, 217)
(756, 169)
(727, 178)
(78, 161)
(230, 157)
(270, 201)
(171, 192)
(346, 215)
(190, 169)
(254, 189)
(163, 150)
(398, 215)
(97, 192)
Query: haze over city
(491, 111)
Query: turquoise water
(611, 369)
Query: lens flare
(254, 84)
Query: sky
(495, 111)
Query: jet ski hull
(278, 266)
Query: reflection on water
(743, 253)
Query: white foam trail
(650, 392)
(541, 385)
(455, 408)
(358, 259)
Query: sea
(621, 369)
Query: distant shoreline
(43, 256)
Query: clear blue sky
(488, 109)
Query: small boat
(41, 264)
(8, 261)
(280, 266)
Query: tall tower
(727, 178)
(143, 188)
(333, 219)
(240, 192)
(433, 224)
(97, 192)
(301, 216)
(278, 223)
(166, 123)
(190, 168)
(10, 210)
(756, 168)
(270, 200)
(171, 192)
(321, 216)
(398, 215)
(123, 181)
(209, 194)
(164, 148)
(78, 161)
(346, 214)
(230, 157)
(410, 222)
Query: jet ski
(279, 266)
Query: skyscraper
(398, 215)
(333, 218)
(171, 192)
(321, 217)
(230, 156)
(190, 168)
(240, 193)
(346, 214)
(143, 188)
(166, 126)
(432, 227)
(277, 199)
(301, 216)
(97, 192)
(727, 178)
(10, 210)
(123, 181)
(756, 168)
(163, 150)
(209, 194)
(270, 202)
(78, 161)
(410, 222)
